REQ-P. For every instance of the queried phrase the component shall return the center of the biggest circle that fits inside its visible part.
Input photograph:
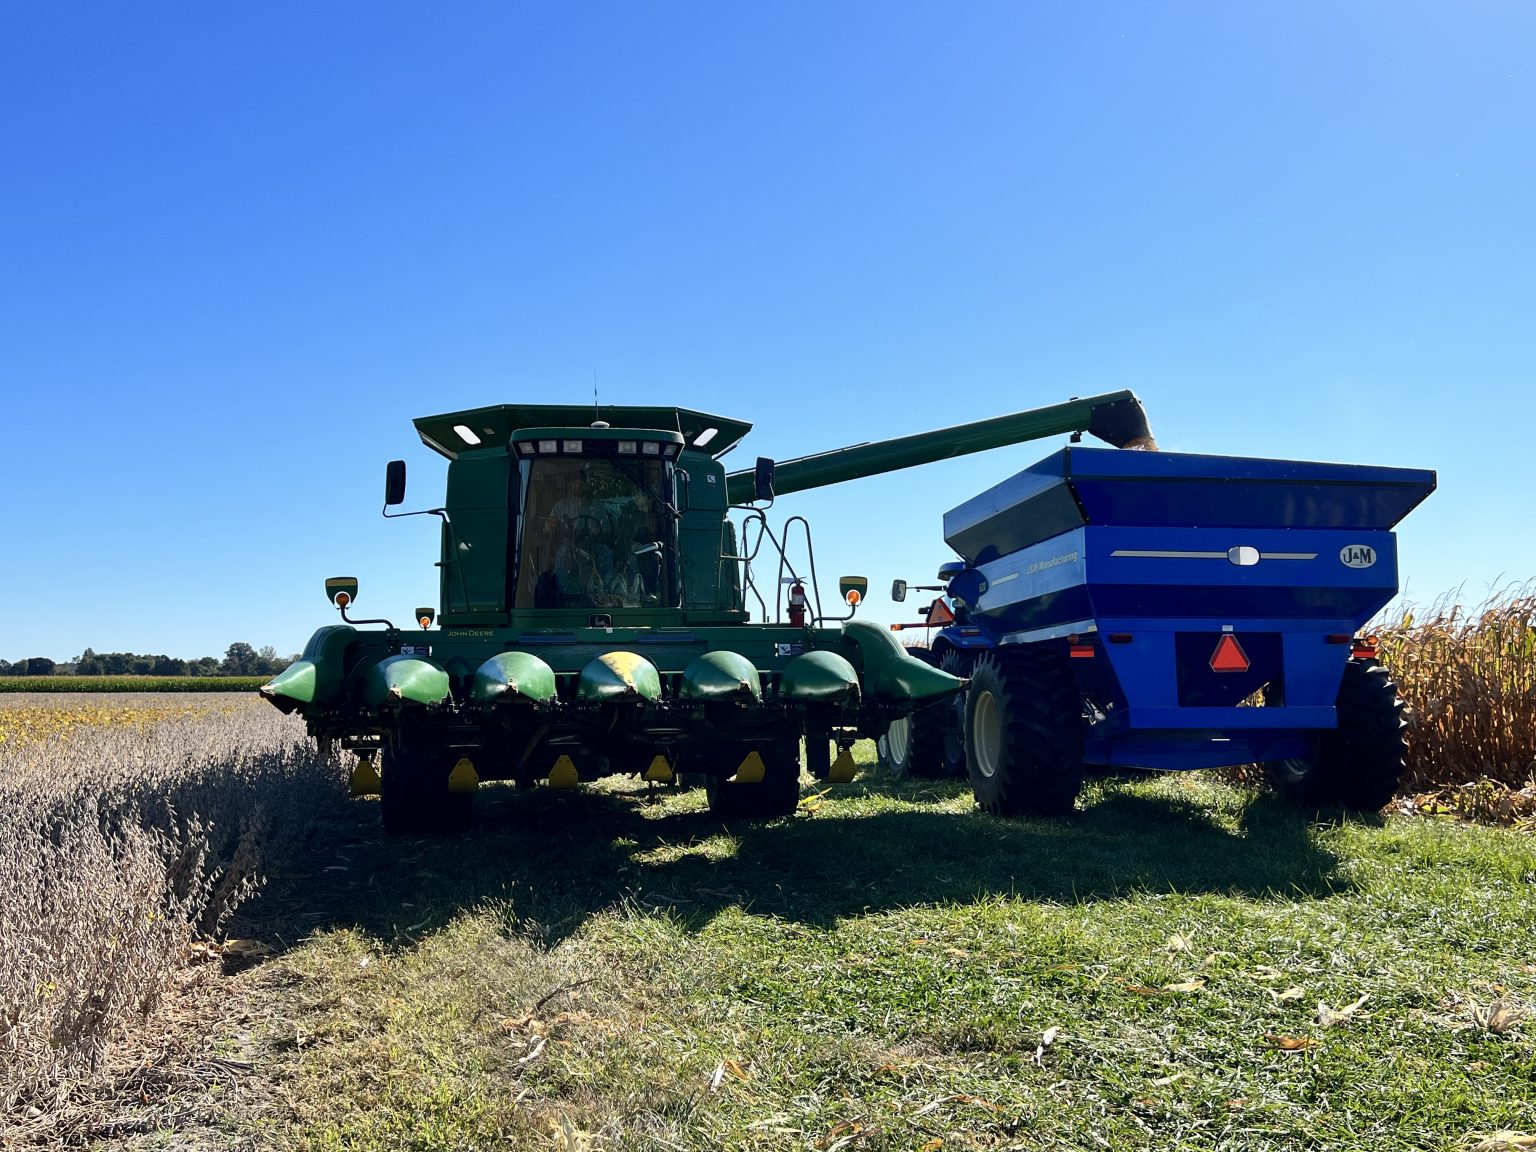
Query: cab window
(595, 534)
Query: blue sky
(241, 246)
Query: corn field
(96, 684)
(130, 827)
(1469, 678)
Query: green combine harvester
(595, 615)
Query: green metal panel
(891, 671)
(293, 686)
(913, 680)
(615, 675)
(514, 676)
(475, 538)
(820, 677)
(405, 680)
(698, 532)
(719, 676)
(316, 676)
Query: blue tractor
(1119, 609)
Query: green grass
(881, 971)
(131, 683)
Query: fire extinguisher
(797, 605)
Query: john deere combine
(594, 615)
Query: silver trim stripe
(1051, 632)
(1158, 554)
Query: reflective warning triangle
(940, 614)
(1229, 655)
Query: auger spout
(1117, 418)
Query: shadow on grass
(553, 860)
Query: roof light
(525, 447)
(548, 445)
(626, 447)
(704, 437)
(573, 445)
(671, 450)
(650, 448)
(467, 434)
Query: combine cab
(594, 616)
(1167, 611)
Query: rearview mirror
(898, 590)
(394, 483)
(762, 479)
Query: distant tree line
(240, 659)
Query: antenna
(597, 413)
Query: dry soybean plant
(120, 842)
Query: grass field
(1180, 964)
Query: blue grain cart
(1164, 610)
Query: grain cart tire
(413, 790)
(1024, 733)
(777, 794)
(930, 743)
(1358, 765)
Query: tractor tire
(776, 795)
(929, 744)
(1024, 733)
(1359, 764)
(413, 790)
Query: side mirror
(762, 479)
(680, 484)
(394, 483)
(898, 590)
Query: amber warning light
(341, 590)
